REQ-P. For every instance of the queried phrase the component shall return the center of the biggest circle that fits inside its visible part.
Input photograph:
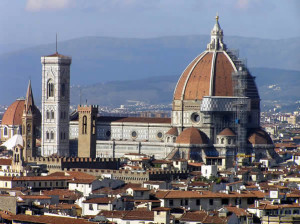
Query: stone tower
(29, 131)
(87, 131)
(55, 104)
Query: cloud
(39, 5)
(242, 4)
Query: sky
(35, 22)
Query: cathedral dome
(13, 114)
(192, 136)
(173, 131)
(227, 132)
(259, 137)
(210, 73)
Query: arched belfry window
(84, 125)
(50, 88)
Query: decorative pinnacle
(217, 17)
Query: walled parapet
(136, 176)
(88, 109)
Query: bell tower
(55, 104)
(29, 124)
(87, 131)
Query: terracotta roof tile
(6, 162)
(47, 219)
(227, 132)
(173, 131)
(134, 119)
(192, 136)
(259, 136)
(104, 200)
(13, 114)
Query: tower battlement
(88, 108)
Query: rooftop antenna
(80, 95)
(56, 44)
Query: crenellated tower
(87, 133)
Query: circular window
(159, 135)
(133, 134)
(195, 117)
(108, 134)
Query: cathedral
(215, 115)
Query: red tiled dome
(259, 136)
(209, 74)
(192, 136)
(13, 114)
(173, 131)
(227, 132)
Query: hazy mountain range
(110, 71)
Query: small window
(211, 201)
(108, 134)
(48, 114)
(84, 125)
(159, 135)
(52, 135)
(198, 202)
(91, 207)
(225, 201)
(133, 134)
(5, 131)
(171, 202)
(47, 135)
(52, 114)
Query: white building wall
(56, 69)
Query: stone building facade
(215, 116)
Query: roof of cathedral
(172, 131)
(13, 114)
(227, 132)
(134, 119)
(210, 73)
(259, 136)
(192, 136)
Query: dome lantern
(216, 40)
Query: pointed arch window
(84, 125)
(5, 131)
(52, 135)
(50, 89)
(52, 114)
(48, 114)
(47, 135)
